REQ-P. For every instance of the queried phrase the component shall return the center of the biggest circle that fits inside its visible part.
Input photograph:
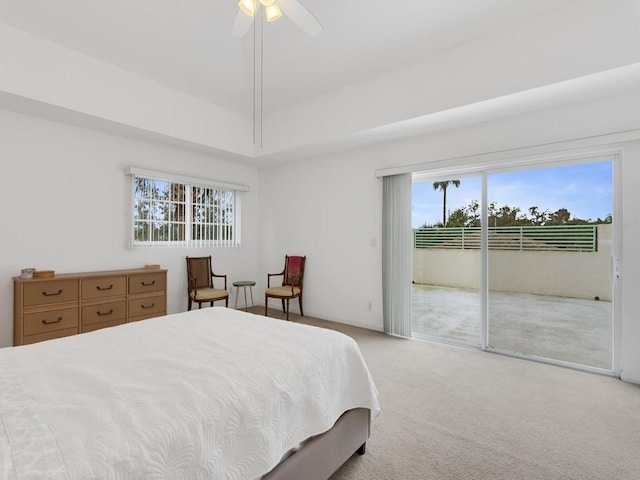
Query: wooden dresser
(71, 303)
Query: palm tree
(442, 186)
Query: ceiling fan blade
(302, 17)
(241, 25)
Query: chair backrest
(199, 269)
(293, 270)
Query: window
(183, 211)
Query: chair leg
(283, 305)
(190, 303)
(226, 302)
(265, 306)
(287, 309)
(300, 301)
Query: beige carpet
(455, 413)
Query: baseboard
(343, 321)
(320, 316)
(629, 379)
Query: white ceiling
(187, 44)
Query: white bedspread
(211, 394)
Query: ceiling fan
(273, 10)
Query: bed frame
(323, 454)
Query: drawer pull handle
(51, 322)
(104, 314)
(148, 306)
(145, 284)
(102, 289)
(59, 292)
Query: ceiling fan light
(267, 3)
(248, 7)
(272, 12)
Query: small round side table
(244, 284)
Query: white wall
(330, 208)
(330, 211)
(65, 206)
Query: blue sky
(585, 190)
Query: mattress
(211, 393)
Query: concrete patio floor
(567, 329)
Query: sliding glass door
(446, 294)
(518, 260)
(550, 238)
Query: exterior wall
(563, 274)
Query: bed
(213, 393)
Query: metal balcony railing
(567, 238)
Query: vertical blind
(396, 254)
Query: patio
(567, 329)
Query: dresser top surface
(103, 273)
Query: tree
(468, 216)
(560, 217)
(539, 218)
(506, 216)
(459, 218)
(442, 186)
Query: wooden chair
(200, 282)
(291, 287)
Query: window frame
(221, 200)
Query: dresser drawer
(40, 337)
(147, 282)
(152, 306)
(98, 326)
(95, 288)
(104, 312)
(50, 321)
(46, 293)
